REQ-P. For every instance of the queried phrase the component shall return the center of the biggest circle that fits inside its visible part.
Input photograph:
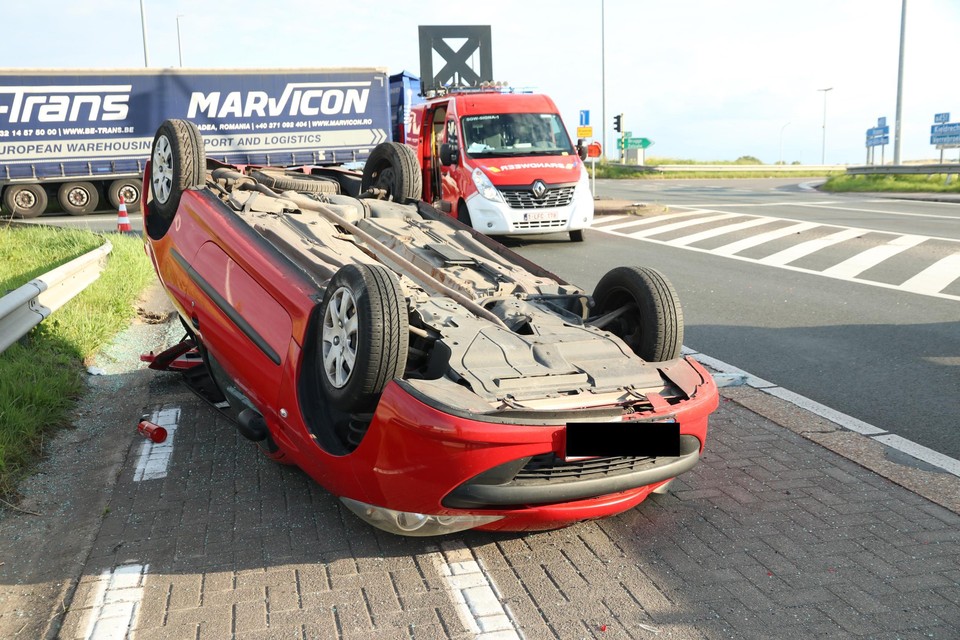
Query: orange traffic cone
(123, 222)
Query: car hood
(523, 170)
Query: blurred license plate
(644, 439)
(538, 216)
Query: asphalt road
(867, 345)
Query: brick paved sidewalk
(771, 535)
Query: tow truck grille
(524, 198)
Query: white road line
(855, 265)
(474, 594)
(652, 219)
(116, 602)
(682, 224)
(719, 231)
(746, 243)
(936, 277)
(909, 447)
(155, 457)
(708, 205)
(885, 213)
(811, 246)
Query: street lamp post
(823, 151)
(781, 141)
(896, 124)
(143, 26)
(179, 46)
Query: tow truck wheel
(177, 162)
(576, 235)
(129, 189)
(393, 167)
(25, 200)
(650, 319)
(78, 198)
(363, 336)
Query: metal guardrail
(24, 308)
(904, 169)
(747, 168)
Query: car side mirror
(449, 154)
(581, 149)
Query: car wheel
(651, 320)
(25, 200)
(576, 235)
(78, 198)
(393, 167)
(363, 336)
(129, 189)
(178, 162)
(295, 181)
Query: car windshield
(514, 134)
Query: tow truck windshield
(514, 134)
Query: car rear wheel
(393, 167)
(129, 189)
(25, 200)
(78, 198)
(640, 306)
(295, 181)
(363, 336)
(178, 162)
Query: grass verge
(897, 184)
(41, 377)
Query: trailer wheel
(25, 200)
(393, 167)
(129, 189)
(650, 319)
(295, 181)
(178, 162)
(363, 336)
(78, 198)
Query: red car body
(253, 313)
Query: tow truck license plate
(539, 216)
(643, 439)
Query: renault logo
(539, 189)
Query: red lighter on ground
(151, 431)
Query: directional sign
(584, 132)
(951, 139)
(878, 141)
(876, 132)
(941, 118)
(948, 128)
(584, 118)
(633, 143)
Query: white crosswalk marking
(811, 246)
(634, 221)
(719, 231)
(746, 243)
(854, 266)
(936, 277)
(684, 223)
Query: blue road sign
(881, 122)
(878, 141)
(878, 131)
(945, 139)
(584, 117)
(941, 118)
(942, 129)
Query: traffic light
(618, 123)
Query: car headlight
(408, 523)
(485, 187)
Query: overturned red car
(430, 378)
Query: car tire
(78, 198)
(393, 167)
(25, 200)
(177, 162)
(363, 336)
(652, 323)
(295, 181)
(576, 235)
(129, 189)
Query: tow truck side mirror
(449, 154)
(581, 148)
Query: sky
(703, 79)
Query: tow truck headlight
(485, 187)
(408, 523)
